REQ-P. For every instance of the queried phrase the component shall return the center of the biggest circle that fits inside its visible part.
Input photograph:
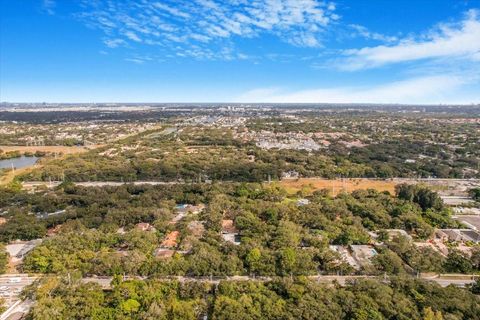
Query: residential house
(171, 240)
(143, 226)
(363, 254)
(230, 232)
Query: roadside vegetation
(281, 299)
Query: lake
(19, 162)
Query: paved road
(342, 280)
(20, 307)
(11, 285)
(14, 280)
(52, 184)
(456, 282)
(112, 183)
(29, 184)
(18, 282)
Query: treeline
(233, 164)
(16, 154)
(283, 299)
(194, 154)
(4, 257)
(50, 117)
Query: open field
(338, 185)
(49, 149)
(445, 187)
(8, 177)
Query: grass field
(49, 149)
(338, 185)
(8, 176)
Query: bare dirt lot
(338, 185)
(445, 187)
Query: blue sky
(379, 51)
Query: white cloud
(172, 11)
(209, 24)
(49, 6)
(135, 60)
(304, 40)
(114, 43)
(132, 36)
(421, 90)
(460, 40)
(367, 34)
(200, 37)
(140, 59)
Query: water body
(19, 162)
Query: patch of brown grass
(10, 175)
(337, 185)
(48, 149)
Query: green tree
(457, 262)
(475, 193)
(253, 260)
(389, 262)
(130, 306)
(428, 314)
(4, 257)
(287, 261)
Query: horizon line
(251, 102)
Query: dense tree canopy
(278, 236)
(282, 299)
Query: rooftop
(228, 226)
(170, 240)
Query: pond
(19, 162)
